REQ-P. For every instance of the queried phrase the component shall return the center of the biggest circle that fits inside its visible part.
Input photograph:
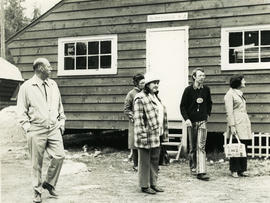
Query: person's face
(153, 86)
(45, 70)
(199, 77)
(141, 84)
(243, 83)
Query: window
(245, 48)
(87, 55)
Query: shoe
(243, 174)
(203, 176)
(193, 171)
(235, 175)
(37, 197)
(50, 188)
(135, 168)
(148, 190)
(157, 189)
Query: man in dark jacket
(196, 105)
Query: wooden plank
(125, 71)
(90, 99)
(256, 88)
(96, 116)
(75, 124)
(100, 90)
(196, 5)
(92, 108)
(123, 37)
(254, 118)
(194, 13)
(204, 52)
(251, 97)
(204, 61)
(221, 127)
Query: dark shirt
(189, 107)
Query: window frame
(61, 55)
(225, 65)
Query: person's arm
(128, 106)
(209, 102)
(61, 114)
(228, 99)
(139, 123)
(22, 109)
(184, 105)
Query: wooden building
(96, 46)
(10, 79)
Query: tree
(36, 13)
(14, 17)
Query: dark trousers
(135, 157)
(148, 166)
(239, 164)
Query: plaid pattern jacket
(146, 124)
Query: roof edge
(33, 22)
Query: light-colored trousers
(39, 141)
(197, 135)
(148, 166)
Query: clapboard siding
(97, 101)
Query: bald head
(42, 68)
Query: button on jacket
(34, 111)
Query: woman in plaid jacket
(150, 123)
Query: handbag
(234, 149)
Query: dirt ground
(107, 176)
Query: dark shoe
(203, 177)
(37, 197)
(157, 189)
(243, 174)
(50, 188)
(148, 190)
(135, 168)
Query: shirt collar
(198, 87)
(37, 81)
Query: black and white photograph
(135, 101)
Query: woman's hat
(150, 77)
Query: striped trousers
(197, 135)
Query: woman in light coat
(138, 81)
(238, 121)
(150, 123)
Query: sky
(44, 6)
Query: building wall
(97, 101)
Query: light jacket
(129, 111)
(146, 124)
(34, 112)
(235, 105)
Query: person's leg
(154, 162)
(192, 139)
(144, 167)
(234, 166)
(243, 160)
(135, 158)
(36, 141)
(201, 153)
(55, 149)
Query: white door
(167, 56)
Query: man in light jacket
(41, 115)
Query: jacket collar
(35, 80)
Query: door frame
(186, 39)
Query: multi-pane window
(92, 55)
(245, 48)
